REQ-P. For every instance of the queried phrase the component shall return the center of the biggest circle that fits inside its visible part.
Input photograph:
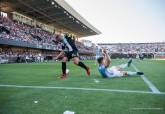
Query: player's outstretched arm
(60, 55)
(107, 58)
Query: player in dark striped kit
(69, 51)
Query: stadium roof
(53, 12)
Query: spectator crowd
(135, 47)
(17, 31)
(31, 34)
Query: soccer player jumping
(69, 51)
(114, 71)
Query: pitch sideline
(152, 87)
(84, 89)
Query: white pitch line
(146, 108)
(149, 83)
(85, 89)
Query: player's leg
(122, 66)
(118, 73)
(77, 61)
(64, 60)
(124, 73)
(129, 62)
(131, 73)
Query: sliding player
(114, 71)
(69, 51)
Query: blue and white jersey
(104, 72)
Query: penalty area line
(83, 89)
(152, 87)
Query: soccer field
(36, 89)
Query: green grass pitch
(14, 100)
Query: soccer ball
(67, 71)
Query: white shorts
(115, 71)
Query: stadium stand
(28, 34)
(136, 50)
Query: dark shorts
(71, 54)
